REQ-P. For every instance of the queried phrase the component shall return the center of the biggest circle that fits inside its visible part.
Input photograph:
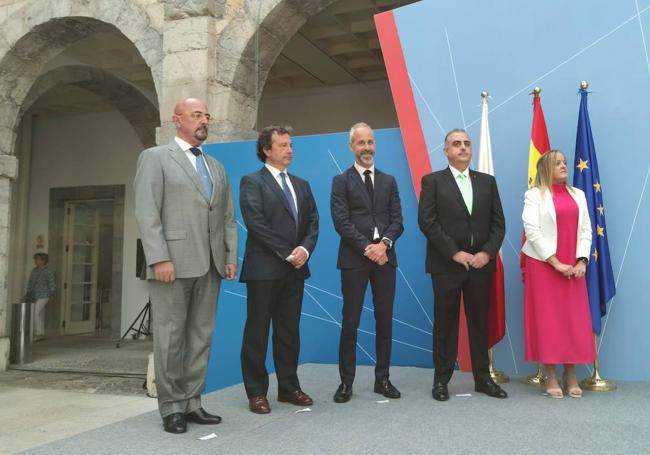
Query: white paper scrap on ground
(382, 401)
(209, 436)
(463, 394)
(303, 410)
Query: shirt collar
(275, 172)
(455, 172)
(361, 169)
(185, 146)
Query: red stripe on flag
(400, 85)
(539, 133)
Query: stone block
(8, 166)
(4, 350)
(189, 34)
(181, 9)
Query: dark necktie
(289, 196)
(202, 171)
(368, 182)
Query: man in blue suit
(282, 223)
(367, 214)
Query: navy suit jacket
(448, 225)
(272, 230)
(355, 215)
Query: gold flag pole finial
(584, 85)
(484, 94)
(596, 383)
(537, 91)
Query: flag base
(538, 378)
(597, 384)
(497, 376)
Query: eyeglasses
(198, 115)
(458, 143)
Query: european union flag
(600, 278)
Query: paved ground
(73, 385)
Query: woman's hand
(564, 269)
(579, 269)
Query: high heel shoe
(573, 392)
(554, 392)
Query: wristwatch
(386, 241)
(584, 260)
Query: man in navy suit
(461, 216)
(367, 214)
(282, 223)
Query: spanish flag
(539, 144)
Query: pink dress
(557, 322)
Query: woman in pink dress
(557, 322)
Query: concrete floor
(72, 385)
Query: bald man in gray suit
(184, 209)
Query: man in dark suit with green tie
(461, 216)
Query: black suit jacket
(449, 227)
(355, 215)
(272, 231)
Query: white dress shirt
(455, 172)
(186, 146)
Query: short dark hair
(264, 140)
(455, 130)
(43, 257)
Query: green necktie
(466, 190)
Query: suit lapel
(361, 185)
(299, 196)
(267, 177)
(453, 186)
(181, 159)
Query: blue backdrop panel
(318, 159)
(454, 50)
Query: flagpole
(485, 165)
(539, 377)
(596, 383)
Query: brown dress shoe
(297, 397)
(259, 405)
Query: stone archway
(135, 106)
(240, 75)
(31, 37)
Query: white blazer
(540, 224)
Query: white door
(81, 236)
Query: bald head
(191, 118)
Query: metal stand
(497, 376)
(144, 327)
(538, 378)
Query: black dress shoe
(175, 423)
(202, 417)
(384, 387)
(343, 394)
(440, 392)
(490, 388)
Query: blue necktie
(204, 176)
(288, 195)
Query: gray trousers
(183, 319)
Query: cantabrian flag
(539, 143)
(600, 277)
(497, 309)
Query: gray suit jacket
(177, 220)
